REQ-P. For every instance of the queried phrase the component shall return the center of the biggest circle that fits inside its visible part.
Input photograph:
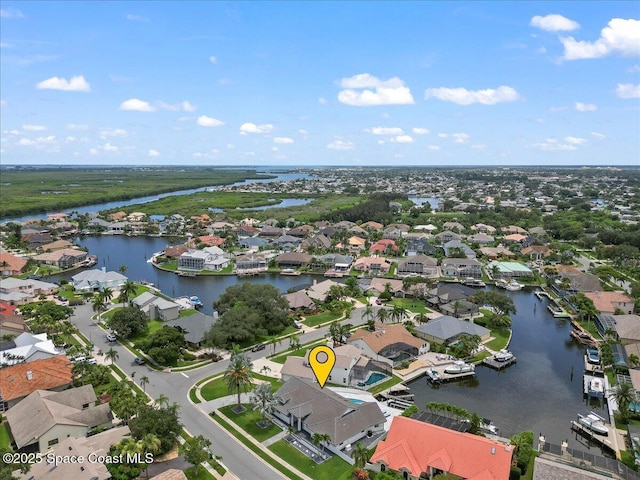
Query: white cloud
(75, 84)
(70, 139)
(75, 126)
(253, 128)
(302, 131)
(205, 121)
(177, 107)
(136, 18)
(552, 144)
(634, 69)
(48, 139)
(113, 132)
(599, 136)
(26, 142)
(554, 23)
(134, 104)
(435, 148)
(574, 140)
(3, 103)
(585, 107)
(460, 137)
(628, 90)
(479, 146)
(420, 131)
(402, 139)
(443, 135)
(385, 130)
(558, 109)
(274, 149)
(11, 13)
(462, 96)
(322, 101)
(621, 36)
(213, 59)
(341, 145)
(385, 92)
(107, 147)
(34, 128)
(94, 151)
(153, 153)
(283, 140)
(381, 142)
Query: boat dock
(604, 440)
(586, 381)
(591, 368)
(540, 294)
(493, 363)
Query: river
(537, 393)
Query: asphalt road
(175, 386)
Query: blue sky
(320, 83)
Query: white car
(111, 337)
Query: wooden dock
(586, 380)
(603, 440)
(493, 363)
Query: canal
(542, 392)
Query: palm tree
(274, 341)
(112, 355)
(99, 306)
(294, 342)
(634, 360)
(368, 312)
(127, 291)
(238, 375)
(144, 381)
(318, 438)
(163, 400)
(624, 395)
(150, 443)
(421, 317)
(263, 400)
(106, 294)
(123, 269)
(360, 454)
(397, 313)
(382, 315)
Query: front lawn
(500, 339)
(5, 439)
(320, 318)
(333, 469)
(217, 387)
(248, 421)
(412, 304)
(301, 352)
(203, 474)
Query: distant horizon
(310, 83)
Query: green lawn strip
(248, 421)
(217, 467)
(413, 305)
(275, 383)
(83, 338)
(296, 353)
(529, 474)
(192, 395)
(384, 385)
(203, 474)
(501, 337)
(5, 438)
(215, 388)
(187, 313)
(320, 318)
(287, 473)
(333, 469)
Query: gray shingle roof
(447, 328)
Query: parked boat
(514, 286)
(195, 301)
(474, 282)
(593, 356)
(501, 283)
(487, 426)
(596, 388)
(459, 367)
(433, 376)
(503, 356)
(289, 271)
(557, 311)
(594, 423)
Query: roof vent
(493, 450)
(29, 375)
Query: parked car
(297, 324)
(140, 361)
(111, 337)
(258, 347)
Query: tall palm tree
(162, 400)
(274, 341)
(382, 315)
(624, 395)
(127, 291)
(112, 355)
(238, 375)
(263, 400)
(319, 438)
(150, 443)
(421, 317)
(360, 454)
(123, 269)
(368, 312)
(144, 381)
(99, 306)
(397, 313)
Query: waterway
(114, 251)
(542, 392)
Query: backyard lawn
(5, 440)
(333, 469)
(248, 421)
(500, 339)
(384, 385)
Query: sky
(320, 83)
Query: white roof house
(98, 280)
(28, 347)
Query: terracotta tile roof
(385, 335)
(46, 374)
(605, 301)
(15, 263)
(415, 445)
(211, 240)
(57, 245)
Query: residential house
(511, 229)
(194, 327)
(378, 285)
(611, 302)
(56, 245)
(483, 228)
(453, 245)
(18, 292)
(211, 240)
(64, 258)
(18, 381)
(447, 330)
(536, 252)
(446, 236)
(319, 290)
(418, 450)
(36, 240)
(329, 231)
(97, 280)
(117, 216)
(461, 267)
(156, 308)
(392, 233)
(576, 280)
(355, 244)
(448, 293)
(302, 231)
(317, 242)
(420, 265)
(245, 230)
(174, 251)
(307, 407)
(117, 228)
(391, 342)
(494, 253)
(10, 323)
(339, 263)
(359, 232)
(27, 347)
(252, 242)
(457, 226)
(72, 447)
(251, 263)
(293, 260)
(287, 242)
(510, 270)
(374, 265)
(481, 239)
(210, 258)
(371, 225)
(626, 327)
(299, 301)
(418, 243)
(44, 418)
(11, 265)
(270, 232)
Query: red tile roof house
(609, 302)
(421, 450)
(11, 265)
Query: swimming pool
(356, 401)
(374, 377)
